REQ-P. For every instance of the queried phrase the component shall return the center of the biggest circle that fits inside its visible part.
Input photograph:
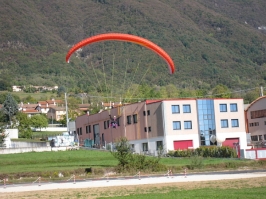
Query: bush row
(203, 151)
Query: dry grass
(126, 190)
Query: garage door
(230, 142)
(183, 144)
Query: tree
(60, 91)
(29, 99)
(24, 124)
(39, 121)
(123, 151)
(3, 135)
(221, 91)
(4, 95)
(10, 107)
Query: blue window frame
(175, 109)
(233, 107)
(234, 123)
(186, 108)
(187, 125)
(223, 108)
(176, 125)
(224, 123)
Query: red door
(230, 142)
(184, 144)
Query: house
(255, 115)
(29, 109)
(172, 124)
(16, 88)
(56, 113)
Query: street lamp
(9, 115)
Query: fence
(258, 153)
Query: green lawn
(61, 161)
(55, 161)
(206, 193)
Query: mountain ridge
(208, 40)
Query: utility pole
(66, 112)
(261, 91)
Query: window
(80, 131)
(135, 118)
(260, 137)
(132, 147)
(175, 109)
(186, 108)
(223, 108)
(233, 107)
(234, 123)
(258, 114)
(88, 129)
(145, 146)
(105, 124)
(159, 145)
(224, 123)
(187, 125)
(264, 136)
(129, 119)
(176, 125)
(254, 138)
(148, 112)
(149, 129)
(117, 121)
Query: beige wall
(169, 117)
(229, 115)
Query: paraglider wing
(127, 38)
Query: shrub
(196, 162)
(206, 151)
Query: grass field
(47, 164)
(69, 162)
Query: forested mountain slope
(211, 42)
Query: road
(134, 180)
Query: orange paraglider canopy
(127, 38)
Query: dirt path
(125, 190)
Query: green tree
(123, 152)
(221, 91)
(60, 91)
(4, 95)
(10, 107)
(30, 99)
(250, 96)
(3, 135)
(24, 124)
(172, 91)
(39, 121)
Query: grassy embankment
(50, 164)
